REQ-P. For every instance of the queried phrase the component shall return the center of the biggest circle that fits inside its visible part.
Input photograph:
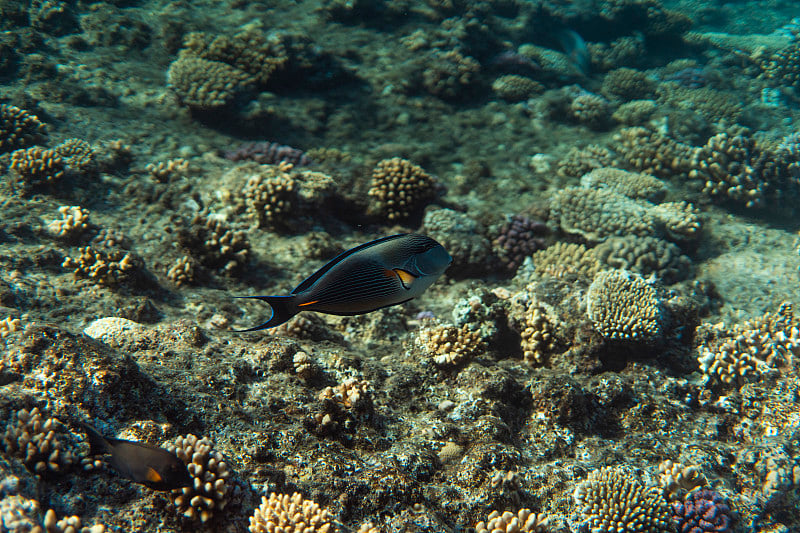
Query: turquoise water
(616, 182)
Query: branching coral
(450, 345)
(39, 441)
(106, 268)
(399, 188)
(18, 128)
(623, 306)
(288, 514)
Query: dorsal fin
(309, 281)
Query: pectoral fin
(153, 476)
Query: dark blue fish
(387, 271)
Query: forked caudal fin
(283, 309)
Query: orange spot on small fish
(307, 303)
(153, 476)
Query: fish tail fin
(283, 308)
(98, 444)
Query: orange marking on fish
(406, 277)
(307, 303)
(153, 476)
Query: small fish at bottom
(153, 467)
(387, 271)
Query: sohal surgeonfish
(154, 467)
(380, 273)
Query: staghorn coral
(74, 221)
(579, 161)
(627, 84)
(596, 214)
(652, 153)
(206, 85)
(211, 489)
(270, 197)
(105, 268)
(517, 239)
(182, 271)
(703, 511)
(36, 166)
(449, 74)
(39, 441)
(268, 153)
(399, 188)
(770, 341)
(214, 244)
(524, 521)
(623, 306)
(646, 256)
(290, 514)
(563, 259)
(18, 128)
(678, 479)
(163, 172)
(679, 221)
(637, 185)
(516, 88)
(448, 345)
(612, 499)
(77, 154)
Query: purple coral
(268, 153)
(517, 239)
(703, 511)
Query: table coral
(612, 499)
(18, 128)
(212, 485)
(284, 513)
(399, 188)
(623, 306)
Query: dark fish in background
(575, 47)
(380, 273)
(153, 467)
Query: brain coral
(703, 511)
(612, 499)
(623, 306)
(630, 184)
(596, 214)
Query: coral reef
(39, 441)
(399, 188)
(517, 239)
(579, 161)
(703, 511)
(464, 240)
(207, 85)
(679, 221)
(215, 244)
(523, 521)
(612, 499)
(536, 330)
(270, 197)
(78, 155)
(448, 345)
(164, 171)
(623, 306)
(596, 214)
(268, 153)
(678, 479)
(212, 483)
(630, 184)
(281, 512)
(652, 153)
(562, 259)
(36, 166)
(18, 128)
(449, 74)
(516, 88)
(627, 84)
(645, 256)
(107, 268)
(9, 325)
(182, 271)
(74, 221)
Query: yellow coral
(399, 187)
(290, 514)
